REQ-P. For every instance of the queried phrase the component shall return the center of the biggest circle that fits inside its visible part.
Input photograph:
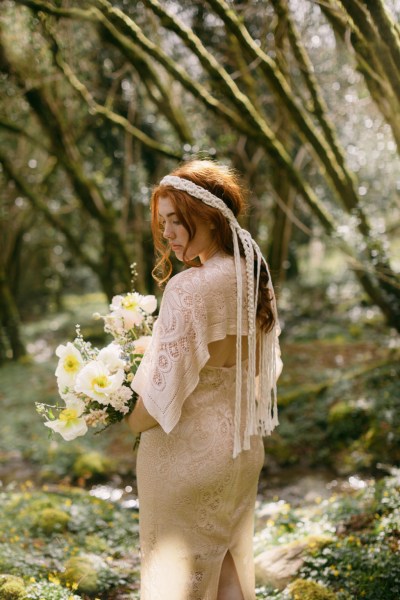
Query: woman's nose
(168, 234)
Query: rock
(11, 588)
(277, 566)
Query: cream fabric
(196, 500)
(198, 307)
(262, 412)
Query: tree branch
(386, 27)
(109, 115)
(341, 179)
(41, 206)
(22, 132)
(370, 37)
(69, 13)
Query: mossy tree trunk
(220, 95)
(10, 321)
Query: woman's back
(223, 352)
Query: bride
(207, 392)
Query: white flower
(141, 344)
(116, 303)
(128, 309)
(110, 356)
(70, 423)
(96, 381)
(148, 304)
(119, 399)
(132, 307)
(69, 365)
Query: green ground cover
(68, 519)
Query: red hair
(224, 183)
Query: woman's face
(202, 245)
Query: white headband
(261, 414)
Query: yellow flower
(69, 364)
(70, 424)
(96, 381)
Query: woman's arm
(140, 419)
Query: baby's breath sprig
(84, 347)
(134, 275)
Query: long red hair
(224, 183)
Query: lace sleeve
(170, 369)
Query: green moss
(353, 458)
(278, 448)
(84, 571)
(302, 589)
(91, 465)
(94, 543)
(339, 411)
(346, 422)
(11, 588)
(52, 520)
(318, 542)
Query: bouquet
(94, 384)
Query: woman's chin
(179, 255)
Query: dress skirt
(196, 502)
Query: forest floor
(330, 487)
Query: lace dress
(196, 501)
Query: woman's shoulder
(180, 279)
(213, 273)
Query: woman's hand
(140, 419)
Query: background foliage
(98, 100)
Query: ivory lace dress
(196, 501)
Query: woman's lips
(175, 247)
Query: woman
(201, 450)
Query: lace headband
(261, 414)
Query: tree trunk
(10, 320)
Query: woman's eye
(176, 222)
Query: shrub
(52, 520)
(90, 572)
(11, 588)
(91, 466)
(82, 570)
(302, 589)
(346, 422)
(47, 590)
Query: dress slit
(234, 573)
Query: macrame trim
(261, 413)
